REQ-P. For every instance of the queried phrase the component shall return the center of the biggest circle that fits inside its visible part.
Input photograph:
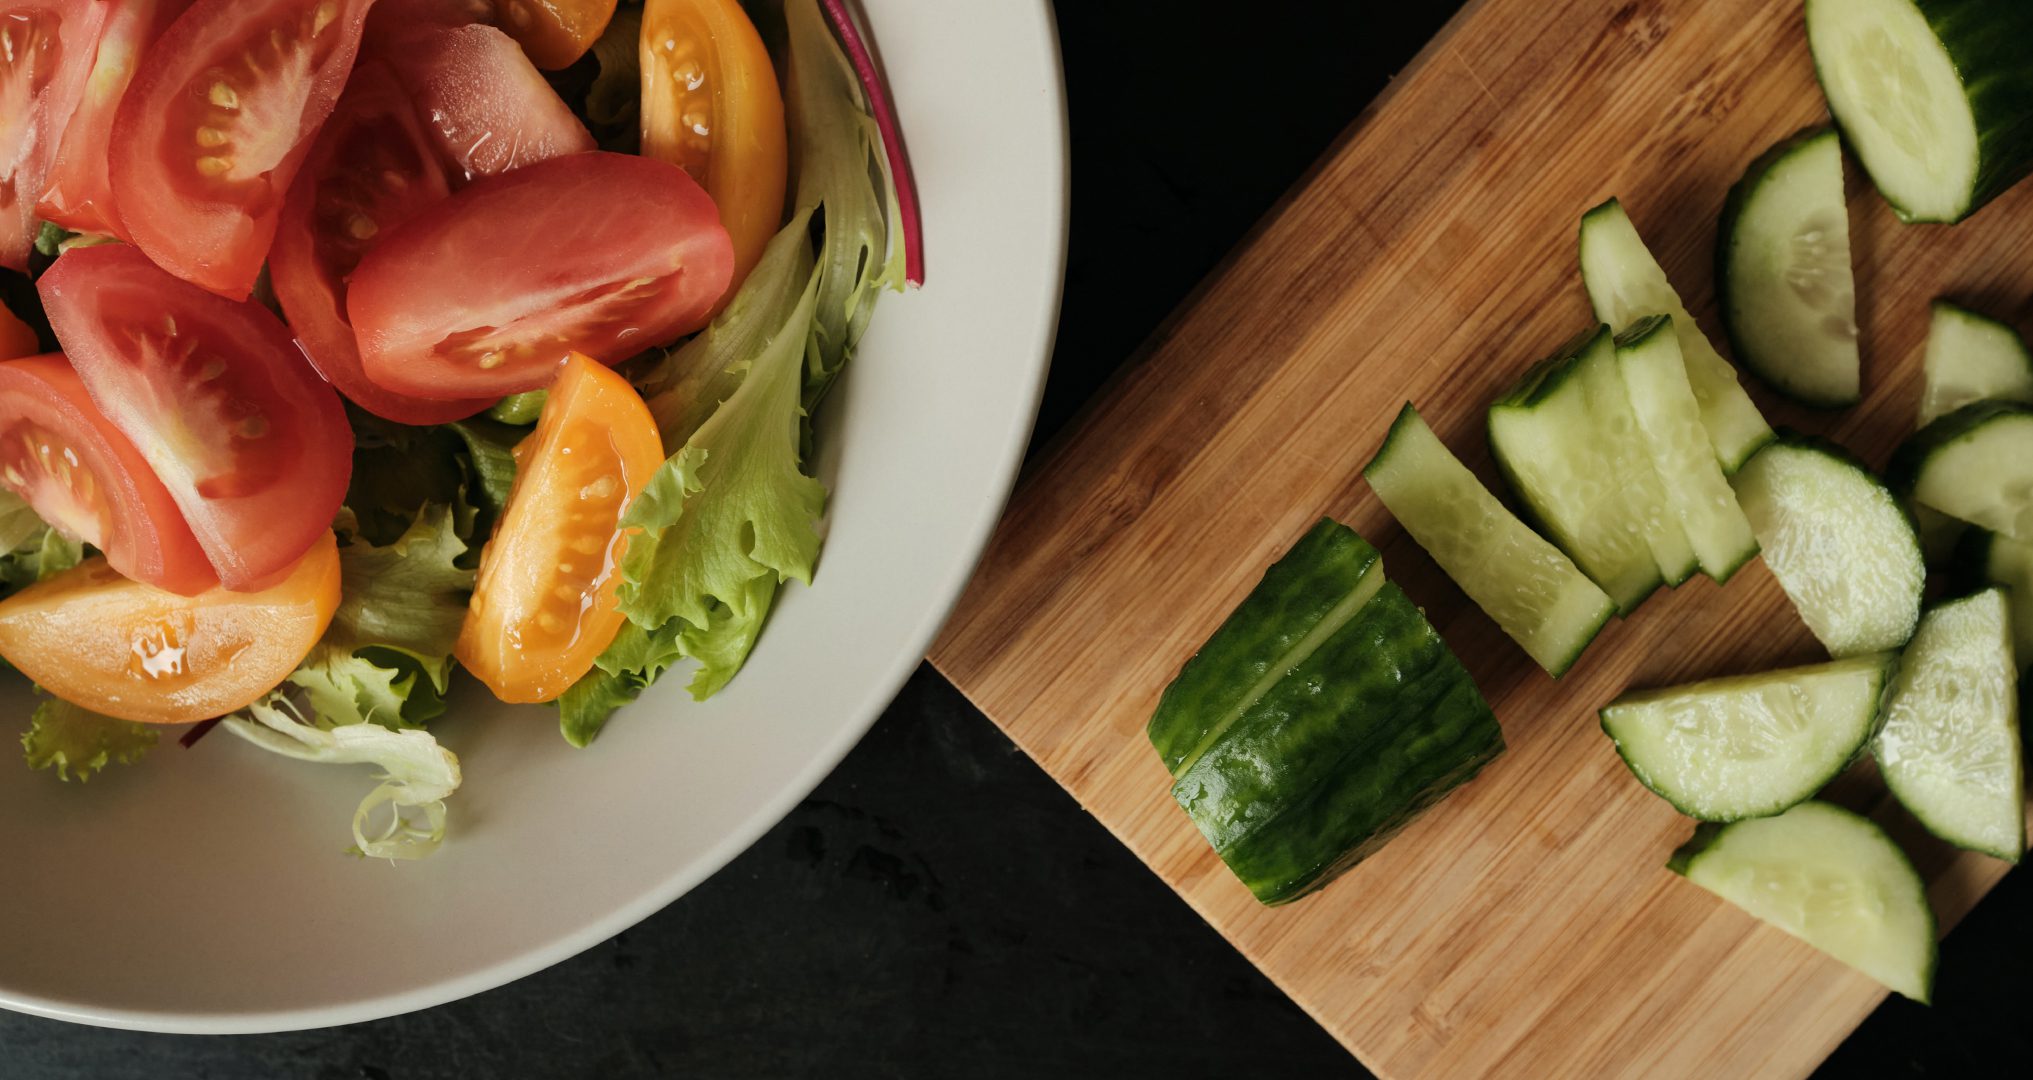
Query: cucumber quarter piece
(1519, 579)
(1936, 96)
(1568, 443)
(1669, 426)
(2007, 562)
(1971, 358)
(1751, 745)
(1975, 464)
(1625, 284)
(1839, 542)
(1828, 877)
(1783, 274)
(1950, 745)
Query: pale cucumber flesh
(1972, 358)
(1669, 420)
(1976, 464)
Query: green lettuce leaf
(76, 741)
(30, 551)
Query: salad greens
(76, 741)
(29, 549)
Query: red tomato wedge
(58, 452)
(485, 293)
(46, 51)
(371, 169)
(487, 106)
(250, 442)
(17, 338)
(79, 192)
(212, 130)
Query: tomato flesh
(555, 32)
(125, 649)
(46, 49)
(215, 124)
(81, 475)
(485, 293)
(371, 169)
(544, 604)
(79, 192)
(251, 443)
(711, 105)
(486, 105)
(17, 338)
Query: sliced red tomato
(485, 293)
(555, 32)
(215, 124)
(58, 452)
(79, 192)
(251, 443)
(126, 649)
(371, 169)
(46, 51)
(544, 604)
(488, 107)
(17, 338)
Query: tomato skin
(17, 338)
(555, 32)
(371, 169)
(544, 604)
(482, 295)
(206, 210)
(127, 650)
(108, 497)
(46, 49)
(486, 105)
(251, 443)
(704, 66)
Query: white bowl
(205, 890)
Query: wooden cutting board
(1527, 926)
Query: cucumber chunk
(1532, 591)
(1830, 878)
(1950, 746)
(1783, 276)
(1971, 358)
(1936, 96)
(1751, 745)
(1840, 544)
(1568, 443)
(1975, 464)
(2006, 562)
(1669, 425)
(1625, 284)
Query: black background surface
(938, 907)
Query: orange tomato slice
(544, 604)
(554, 32)
(133, 651)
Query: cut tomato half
(79, 192)
(251, 443)
(125, 649)
(46, 49)
(371, 169)
(17, 338)
(487, 107)
(82, 476)
(485, 293)
(217, 120)
(544, 604)
(555, 32)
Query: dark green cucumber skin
(1903, 474)
(1295, 594)
(1637, 332)
(1986, 40)
(1376, 725)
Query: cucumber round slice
(1950, 746)
(1830, 878)
(1971, 358)
(1751, 745)
(2004, 561)
(1975, 464)
(1840, 544)
(1783, 273)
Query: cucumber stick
(1936, 96)
(1783, 274)
(1752, 745)
(1830, 878)
(1531, 590)
(1971, 358)
(1669, 426)
(1950, 745)
(1567, 441)
(1625, 283)
(1839, 542)
(1975, 464)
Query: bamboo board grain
(1527, 926)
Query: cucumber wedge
(1566, 440)
(1950, 746)
(1975, 464)
(1625, 284)
(1936, 96)
(1669, 426)
(1783, 275)
(1532, 591)
(1839, 542)
(1830, 878)
(1752, 745)
(2008, 563)
(1971, 358)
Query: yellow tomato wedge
(544, 603)
(554, 32)
(133, 651)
